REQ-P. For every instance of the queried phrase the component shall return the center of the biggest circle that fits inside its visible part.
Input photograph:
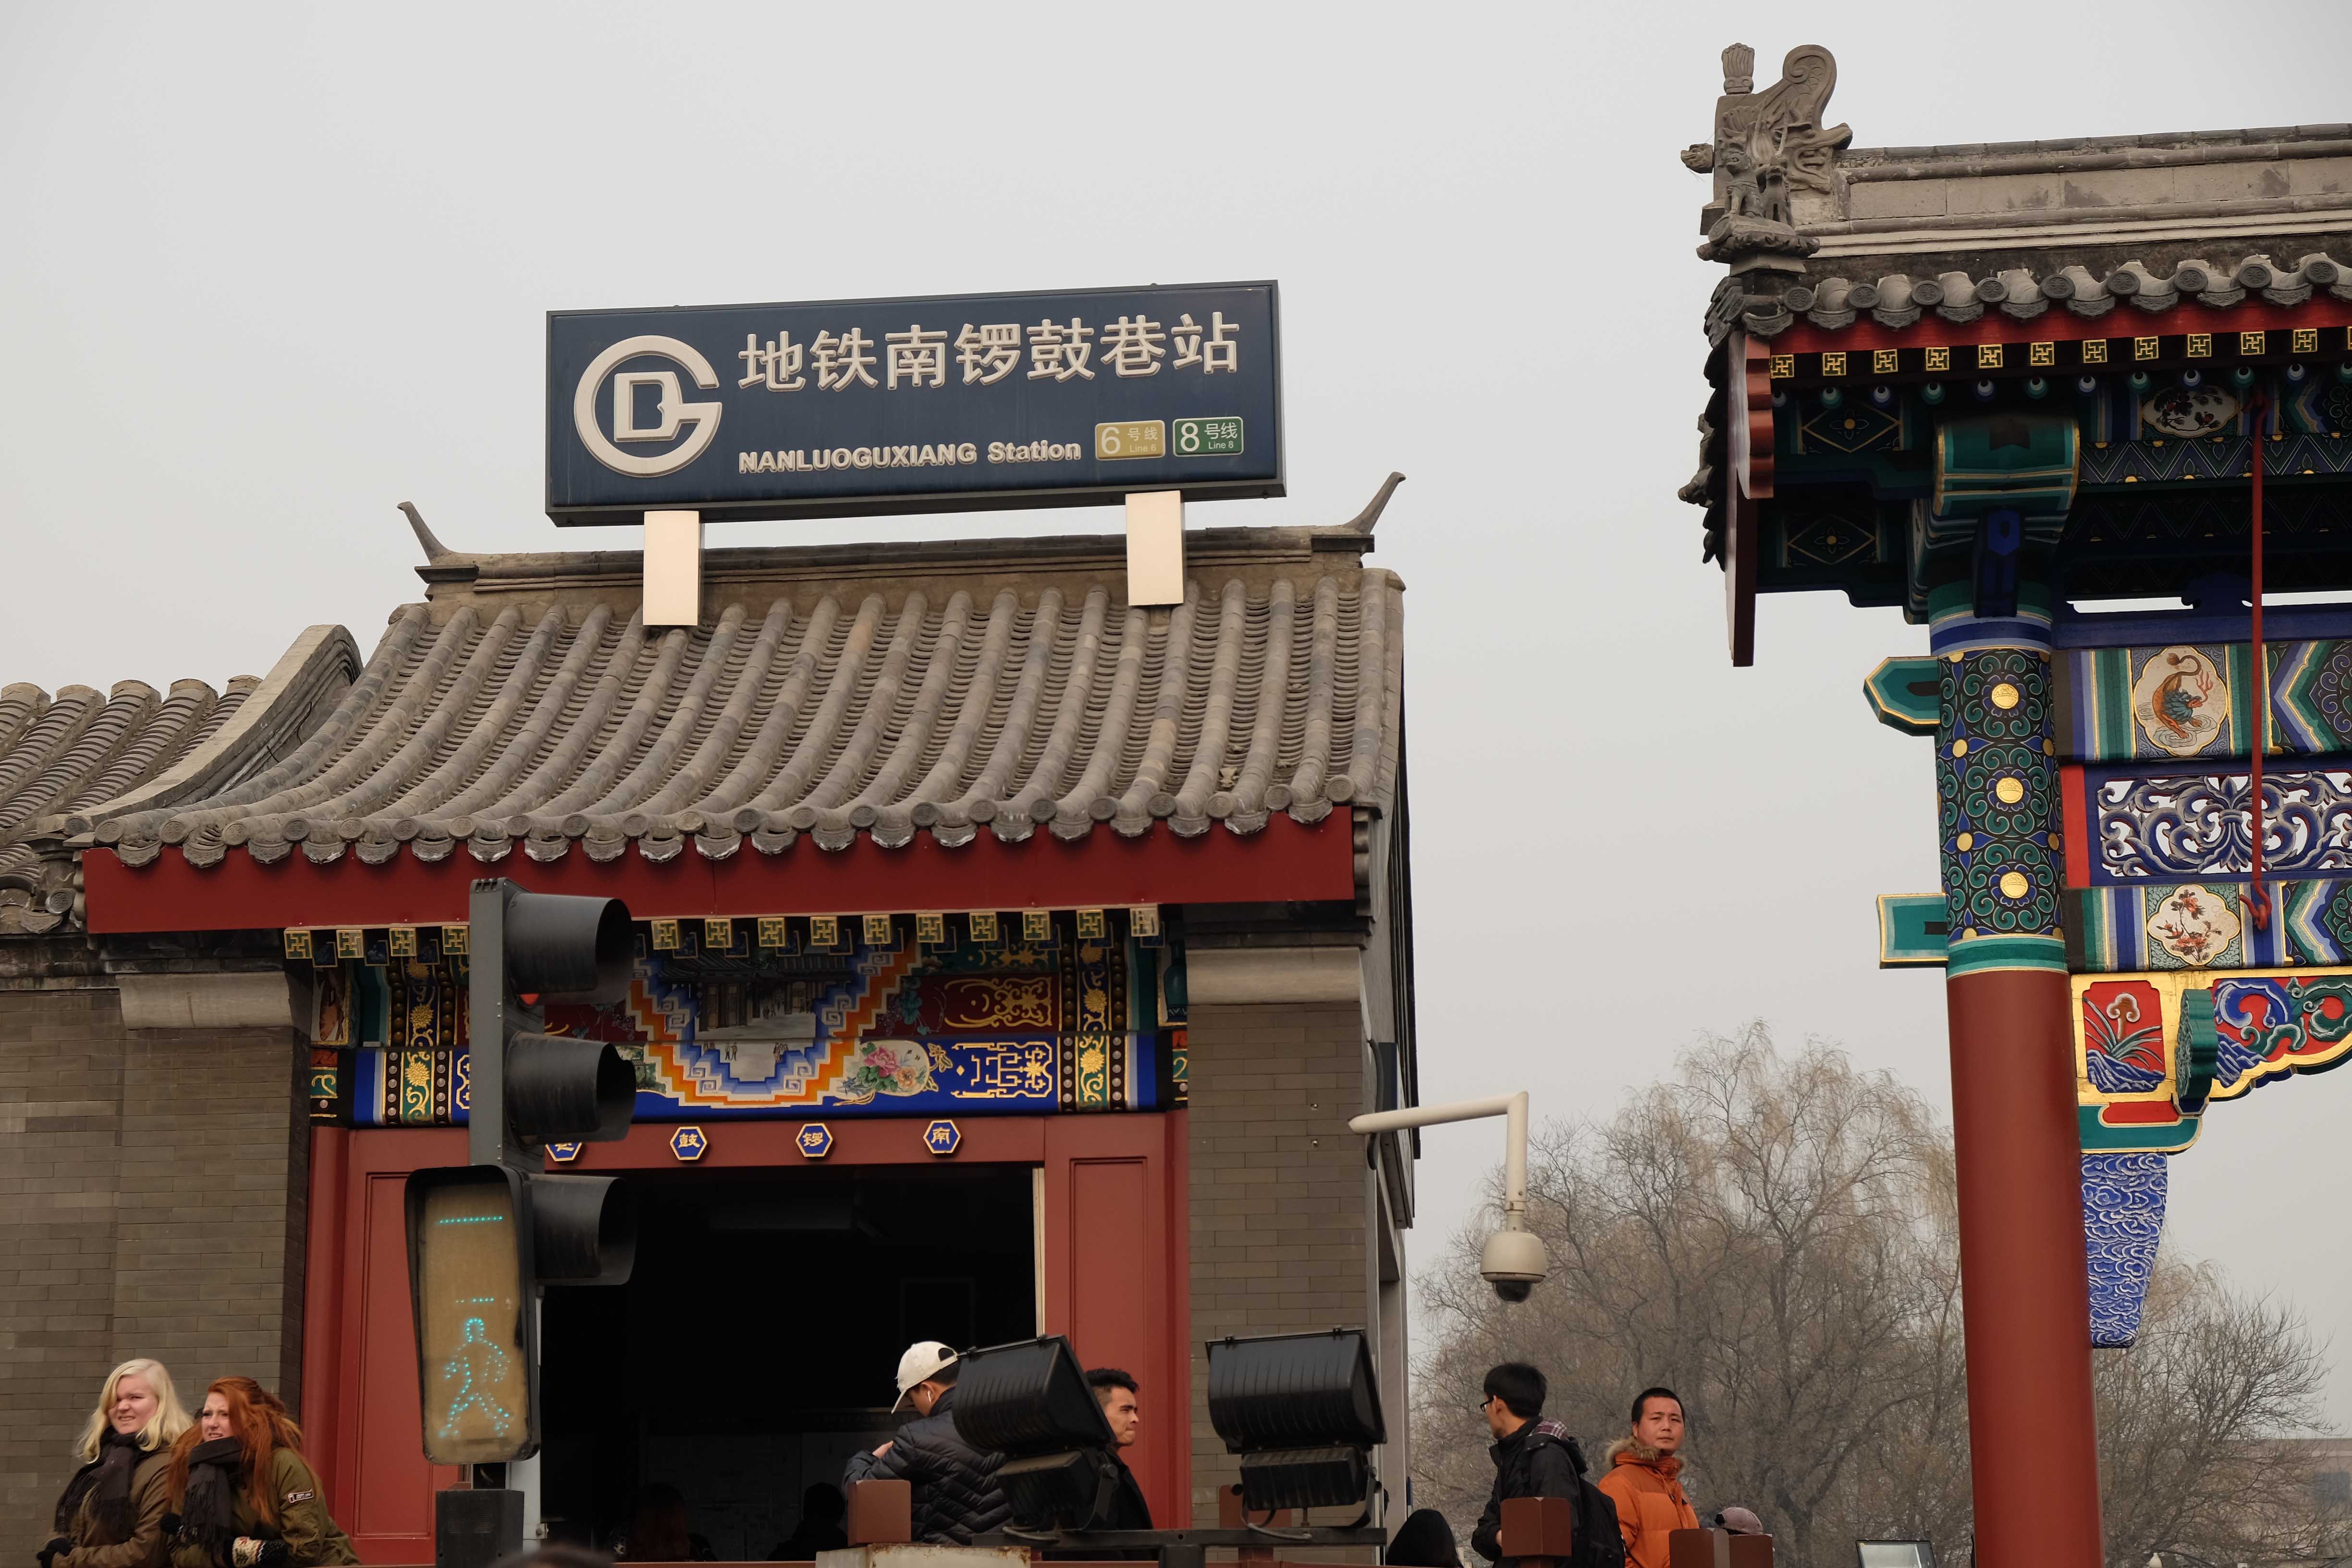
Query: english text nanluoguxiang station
(2037, 394)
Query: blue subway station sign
(944, 402)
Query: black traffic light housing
(483, 1238)
(535, 1088)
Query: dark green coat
(311, 1536)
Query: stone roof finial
(1767, 146)
(1739, 70)
(435, 551)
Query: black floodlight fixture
(1894, 1554)
(1029, 1401)
(1300, 1411)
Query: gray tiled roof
(78, 758)
(529, 707)
(1898, 300)
(77, 748)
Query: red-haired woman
(243, 1495)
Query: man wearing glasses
(1533, 1457)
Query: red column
(2032, 1440)
(322, 1299)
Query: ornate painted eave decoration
(1897, 328)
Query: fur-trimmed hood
(1630, 1450)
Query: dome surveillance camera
(1514, 1264)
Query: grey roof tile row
(827, 714)
(79, 747)
(1899, 299)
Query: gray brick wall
(152, 1192)
(1278, 1188)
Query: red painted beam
(2075, 814)
(1281, 863)
(2059, 324)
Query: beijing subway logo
(700, 420)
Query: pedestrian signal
(469, 1273)
(484, 1238)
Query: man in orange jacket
(1642, 1478)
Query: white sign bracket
(673, 569)
(1155, 548)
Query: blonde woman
(111, 1513)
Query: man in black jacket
(1533, 1457)
(1117, 1394)
(955, 1496)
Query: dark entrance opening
(754, 1347)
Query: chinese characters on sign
(1136, 438)
(914, 404)
(1209, 438)
(1131, 346)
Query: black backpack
(1598, 1542)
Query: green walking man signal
(484, 1238)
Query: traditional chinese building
(1009, 958)
(2020, 391)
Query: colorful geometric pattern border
(2126, 704)
(2184, 459)
(2185, 699)
(879, 1022)
(2161, 925)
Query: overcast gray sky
(271, 270)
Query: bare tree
(1776, 1238)
(2183, 1419)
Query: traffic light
(484, 1238)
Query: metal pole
(1515, 1161)
(1513, 1108)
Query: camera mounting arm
(1513, 1108)
(1512, 1260)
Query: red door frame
(1115, 1272)
(1117, 1279)
(359, 1407)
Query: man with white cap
(955, 1496)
